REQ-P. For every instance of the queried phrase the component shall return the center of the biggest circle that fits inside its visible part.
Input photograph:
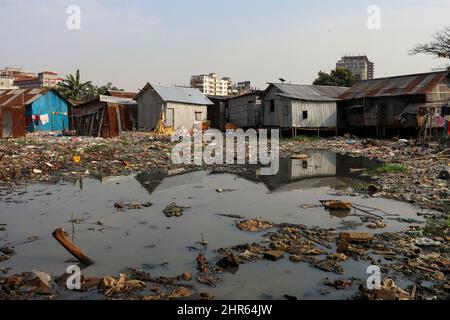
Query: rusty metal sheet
(21, 97)
(395, 86)
(12, 122)
(122, 94)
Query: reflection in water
(150, 180)
(146, 238)
(320, 169)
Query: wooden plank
(60, 235)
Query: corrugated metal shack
(39, 109)
(130, 105)
(246, 111)
(218, 112)
(12, 122)
(388, 106)
(181, 107)
(105, 116)
(304, 107)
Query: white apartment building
(44, 79)
(358, 65)
(210, 84)
(7, 83)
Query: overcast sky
(133, 42)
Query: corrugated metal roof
(253, 93)
(310, 92)
(182, 95)
(178, 94)
(117, 100)
(395, 86)
(122, 94)
(20, 97)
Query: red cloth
(37, 118)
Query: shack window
(305, 114)
(199, 116)
(272, 105)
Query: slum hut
(395, 105)
(12, 118)
(246, 111)
(180, 107)
(43, 109)
(104, 116)
(218, 112)
(129, 106)
(301, 107)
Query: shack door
(170, 113)
(119, 122)
(7, 124)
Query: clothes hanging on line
(36, 118)
(57, 113)
(438, 120)
(446, 131)
(45, 119)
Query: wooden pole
(60, 235)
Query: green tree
(104, 89)
(72, 87)
(340, 77)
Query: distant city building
(358, 65)
(243, 87)
(24, 80)
(44, 79)
(210, 84)
(7, 83)
(15, 73)
(7, 76)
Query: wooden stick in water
(60, 235)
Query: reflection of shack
(320, 169)
(105, 116)
(317, 165)
(159, 181)
(320, 164)
(150, 180)
(387, 106)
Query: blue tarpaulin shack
(45, 109)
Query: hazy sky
(132, 42)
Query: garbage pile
(408, 255)
(40, 157)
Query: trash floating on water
(254, 225)
(173, 210)
(336, 205)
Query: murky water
(148, 240)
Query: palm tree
(72, 88)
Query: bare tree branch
(438, 47)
